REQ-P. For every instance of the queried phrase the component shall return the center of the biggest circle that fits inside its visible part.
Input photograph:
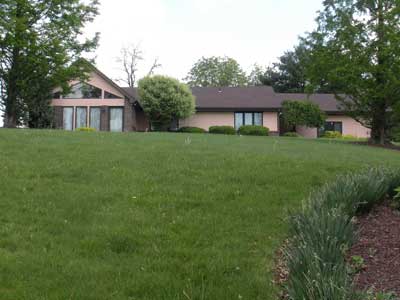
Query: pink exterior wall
(307, 132)
(207, 119)
(351, 126)
(271, 121)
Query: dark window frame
(111, 94)
(88, 84)
(243, 113)
(331, 124)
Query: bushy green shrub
(86, 129)
(323, 230)
(291, 134)
(332, 135)
(191, 130)
(254, 130)
(349, 137)
(229, 130)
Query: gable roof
(261, 98)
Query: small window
(248, 118)
(84, 91)
(108, 95)
(57, 95)
(334, 126)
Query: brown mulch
(379, 245)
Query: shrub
(254, 130)
(323, 230)
(349, 137)
(291, 134)
(86, 129)
(191, 130)
(332, 135)
(229, 130)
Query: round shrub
(291, 134)
(332, 135)
(191, 130)
(229, 130)
(254, 130)
(86, 129)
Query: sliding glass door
(116, 119)
(81, 117)
(95, 118)
(68, 118)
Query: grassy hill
(154, 216)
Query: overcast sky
(179, 32)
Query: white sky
(179, 32)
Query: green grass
(154, 216)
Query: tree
(302, 113)
(357, 47)
(130, 58)
(164, 100)
(40, 47)
(216, 72)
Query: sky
(179, 32)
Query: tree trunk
(378, 132)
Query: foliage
(228, 130)
(216, 72)
(349, 137)
(332, 135)
(358, 263)
(86, 129)
(191, 130)
(323, 230)
(302, 113)
(40, 46)
(291, 134)
(254, 130)
(165, 99)
(356, 47)
(164, 199)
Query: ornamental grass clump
(323, 230)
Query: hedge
(229, 130)
(332, 135)
(191, 130)
(323, 230)
(254, 130)
(291, 134)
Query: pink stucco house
(102, 104)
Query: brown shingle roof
(261, 98)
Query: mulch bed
(379, 245)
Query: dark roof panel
(247, 98)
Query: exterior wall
(307, 132)
(271, 121)
(207, 119)
(351, 126)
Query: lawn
(154, 216)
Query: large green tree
(217, 72)
(165, 100)
(40, 48)
(357, 47)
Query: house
(102, 104)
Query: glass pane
(84, 91)
(238, 120)
(329, 126)
(248, 118)
(108, 95)
(338, 127)
(116, 119)
(68, 118)
(81, 117)
(258, 119)
(95, 118)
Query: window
(333, 126)
(108, 95)
(116, 119)
(68, 115)
(95, 118)
(57, 95)
(84, 91)
(81, 117)
(248, 118)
